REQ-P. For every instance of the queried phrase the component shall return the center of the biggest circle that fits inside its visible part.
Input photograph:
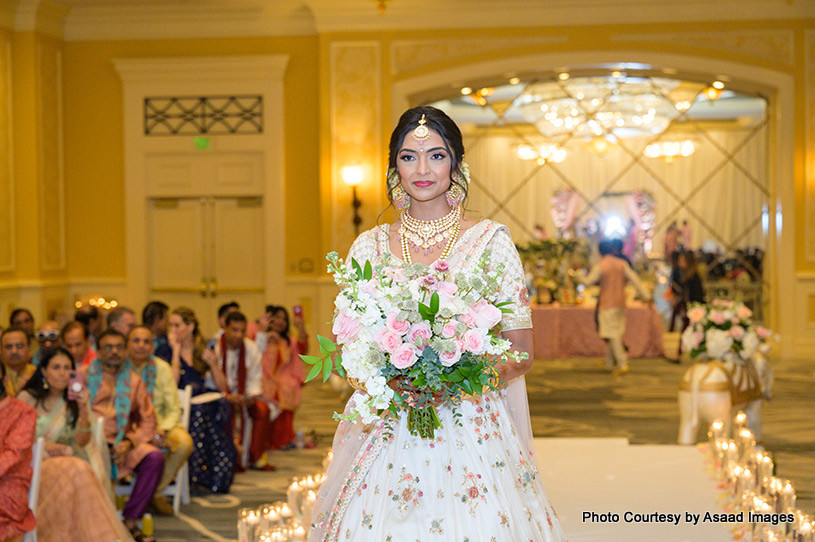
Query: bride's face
(424, 169)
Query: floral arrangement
(722, 327)
(547, 263)
(413, 336)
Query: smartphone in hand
(76, 383)
(211, 344)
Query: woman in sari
(283, 371)
(74, 505)
(212, 463)
(16, 439)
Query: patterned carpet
(568, 398)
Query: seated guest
(122, 319)
(283, 371)
(17, 421)
(119, 395)
(223, 310)
(48, 338)
(75, 337)
(212, 463)
(170, 435)
(156, 317)
(73, 505)
(239, 359)
(89, 315)
(23, 319)
(16, 356)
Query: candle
(285, 511)
(293, 495)
(248, 519)
(716, 431)
(787, 497)
(746, 443)
(741, 419)
(299, 534)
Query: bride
(477, 479)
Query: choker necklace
(426, 234)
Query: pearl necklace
(428, 233)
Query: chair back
(185, 396)
(38, 451)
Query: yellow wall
(94, 152)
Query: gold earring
(454, 195)
(400, 198)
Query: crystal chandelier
(670, 150)
(542, 154)
(587, 107)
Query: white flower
(750, 344)
(717, 342)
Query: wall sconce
(352, 176)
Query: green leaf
(455, 376)
(357, 268)
(369, 272)
(311, 360)
(424, 310)
(314, 372)
(327, 366)
(420, 380)
(398, 399)
(434, 302)
(467, 386)
(393, 409)
(327, 346)
(338, 365)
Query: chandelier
(670, 150)
(542, 154)
(591, 106)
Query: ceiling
(153, 19)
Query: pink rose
(737, 332)
(346, 327)
(696, 314)
(743, 312)
(448, 359)
(447, 288)
(420, 333)
(735, 320)
(487, 315)
(387, 340)
(473, 341)
(441, 266)
(400, 327)
(404, 356)
(369, 287)
(430, 281)
(469, 318)
(763, 333)
(448, 330)
(718, 318)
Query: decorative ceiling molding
(174, 19)
(411, 54)
(44, 16)
(775, 45)
(137, 19)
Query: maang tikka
(421, 133)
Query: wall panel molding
(809, 145)
(7, 230)
(355, 132)
(771, 45)
(50, 163)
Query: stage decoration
(547, 263)
(758, 505)
(564, 209)
(433, 332)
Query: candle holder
(248, 523)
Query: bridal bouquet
(722, 327)
(431, 334)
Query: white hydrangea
(717, 342)
(750, 344)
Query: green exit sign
(202, 143)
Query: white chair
(34, 491)
(180, 490)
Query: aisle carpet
(568, 398)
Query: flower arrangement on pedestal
(411, 337)
(547, 263)
(722, 327)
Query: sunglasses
(47, 336)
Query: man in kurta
(170, 434)
(612, 273)
(119, 396)
(240, 360)
(15, 353)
